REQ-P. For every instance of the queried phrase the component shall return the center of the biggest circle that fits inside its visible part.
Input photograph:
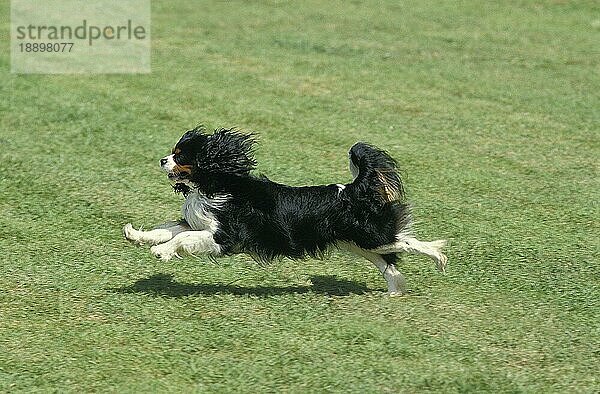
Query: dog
(228, 210)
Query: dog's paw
(164, 252)
(441, 263)
(396, 293)
(132, 234)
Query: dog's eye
(182, 159)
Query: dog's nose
(163, 161)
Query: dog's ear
(228, 151)
(182, 188)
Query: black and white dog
(227, 210)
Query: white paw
(441, 263)
(396, 293)
(132, 234)
(164, 252)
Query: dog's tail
(375, 172)
(378, 185)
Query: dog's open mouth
(176, 177)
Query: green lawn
(493, 112)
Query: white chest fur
(197, 210)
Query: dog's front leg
(190, 242)
(158, 235)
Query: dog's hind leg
(158, 235)
(412, 245)
(190, 242)
(395, 280)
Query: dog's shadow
(165, 285)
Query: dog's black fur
(268, 220)
(228, 210)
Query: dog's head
(199, 157)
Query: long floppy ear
(228, 151)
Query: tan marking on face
(176, 151)
(179, 169)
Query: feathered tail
(376, 176)
(374, 169)
(377, 180)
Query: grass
(491, 110)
